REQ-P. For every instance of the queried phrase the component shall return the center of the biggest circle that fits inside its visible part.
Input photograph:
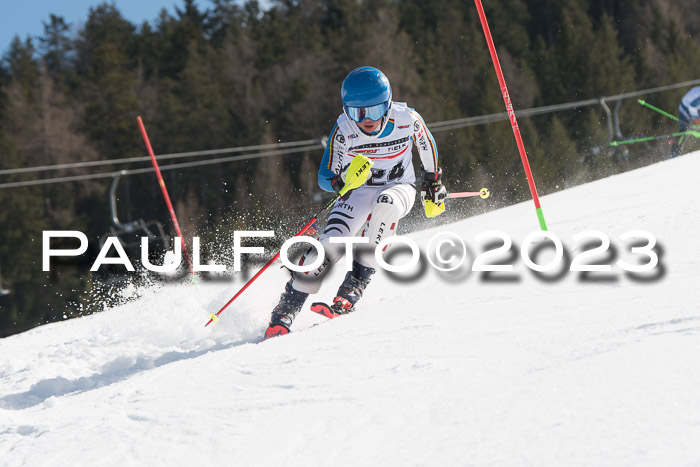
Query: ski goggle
(373, 112)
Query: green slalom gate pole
(695, 134)
(511, 114)
(681, 134)
(656, 109)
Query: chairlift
(129, 234)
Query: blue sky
(26, 17)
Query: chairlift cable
(75, 178)
(312, 143)
(128, 160)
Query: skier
(688, 117)
(384, 131)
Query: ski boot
(283, 314)
(351, 289)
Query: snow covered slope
(443, 369)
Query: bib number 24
(380, 178)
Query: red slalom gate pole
(165, 193)
(511, 114)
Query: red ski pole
(215, 317)
(484, 193)
(165, 193)
(511, 114)
(357, 174)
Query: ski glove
(432, 188)
(338, 182)
(433, 193)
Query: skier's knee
(385, 210)
(385, 199)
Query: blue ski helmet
(366, 93)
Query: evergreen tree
(56, 47)
(108, 82)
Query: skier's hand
(433, 189)
(338, 182)
(433, 193)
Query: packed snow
(435, 368)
